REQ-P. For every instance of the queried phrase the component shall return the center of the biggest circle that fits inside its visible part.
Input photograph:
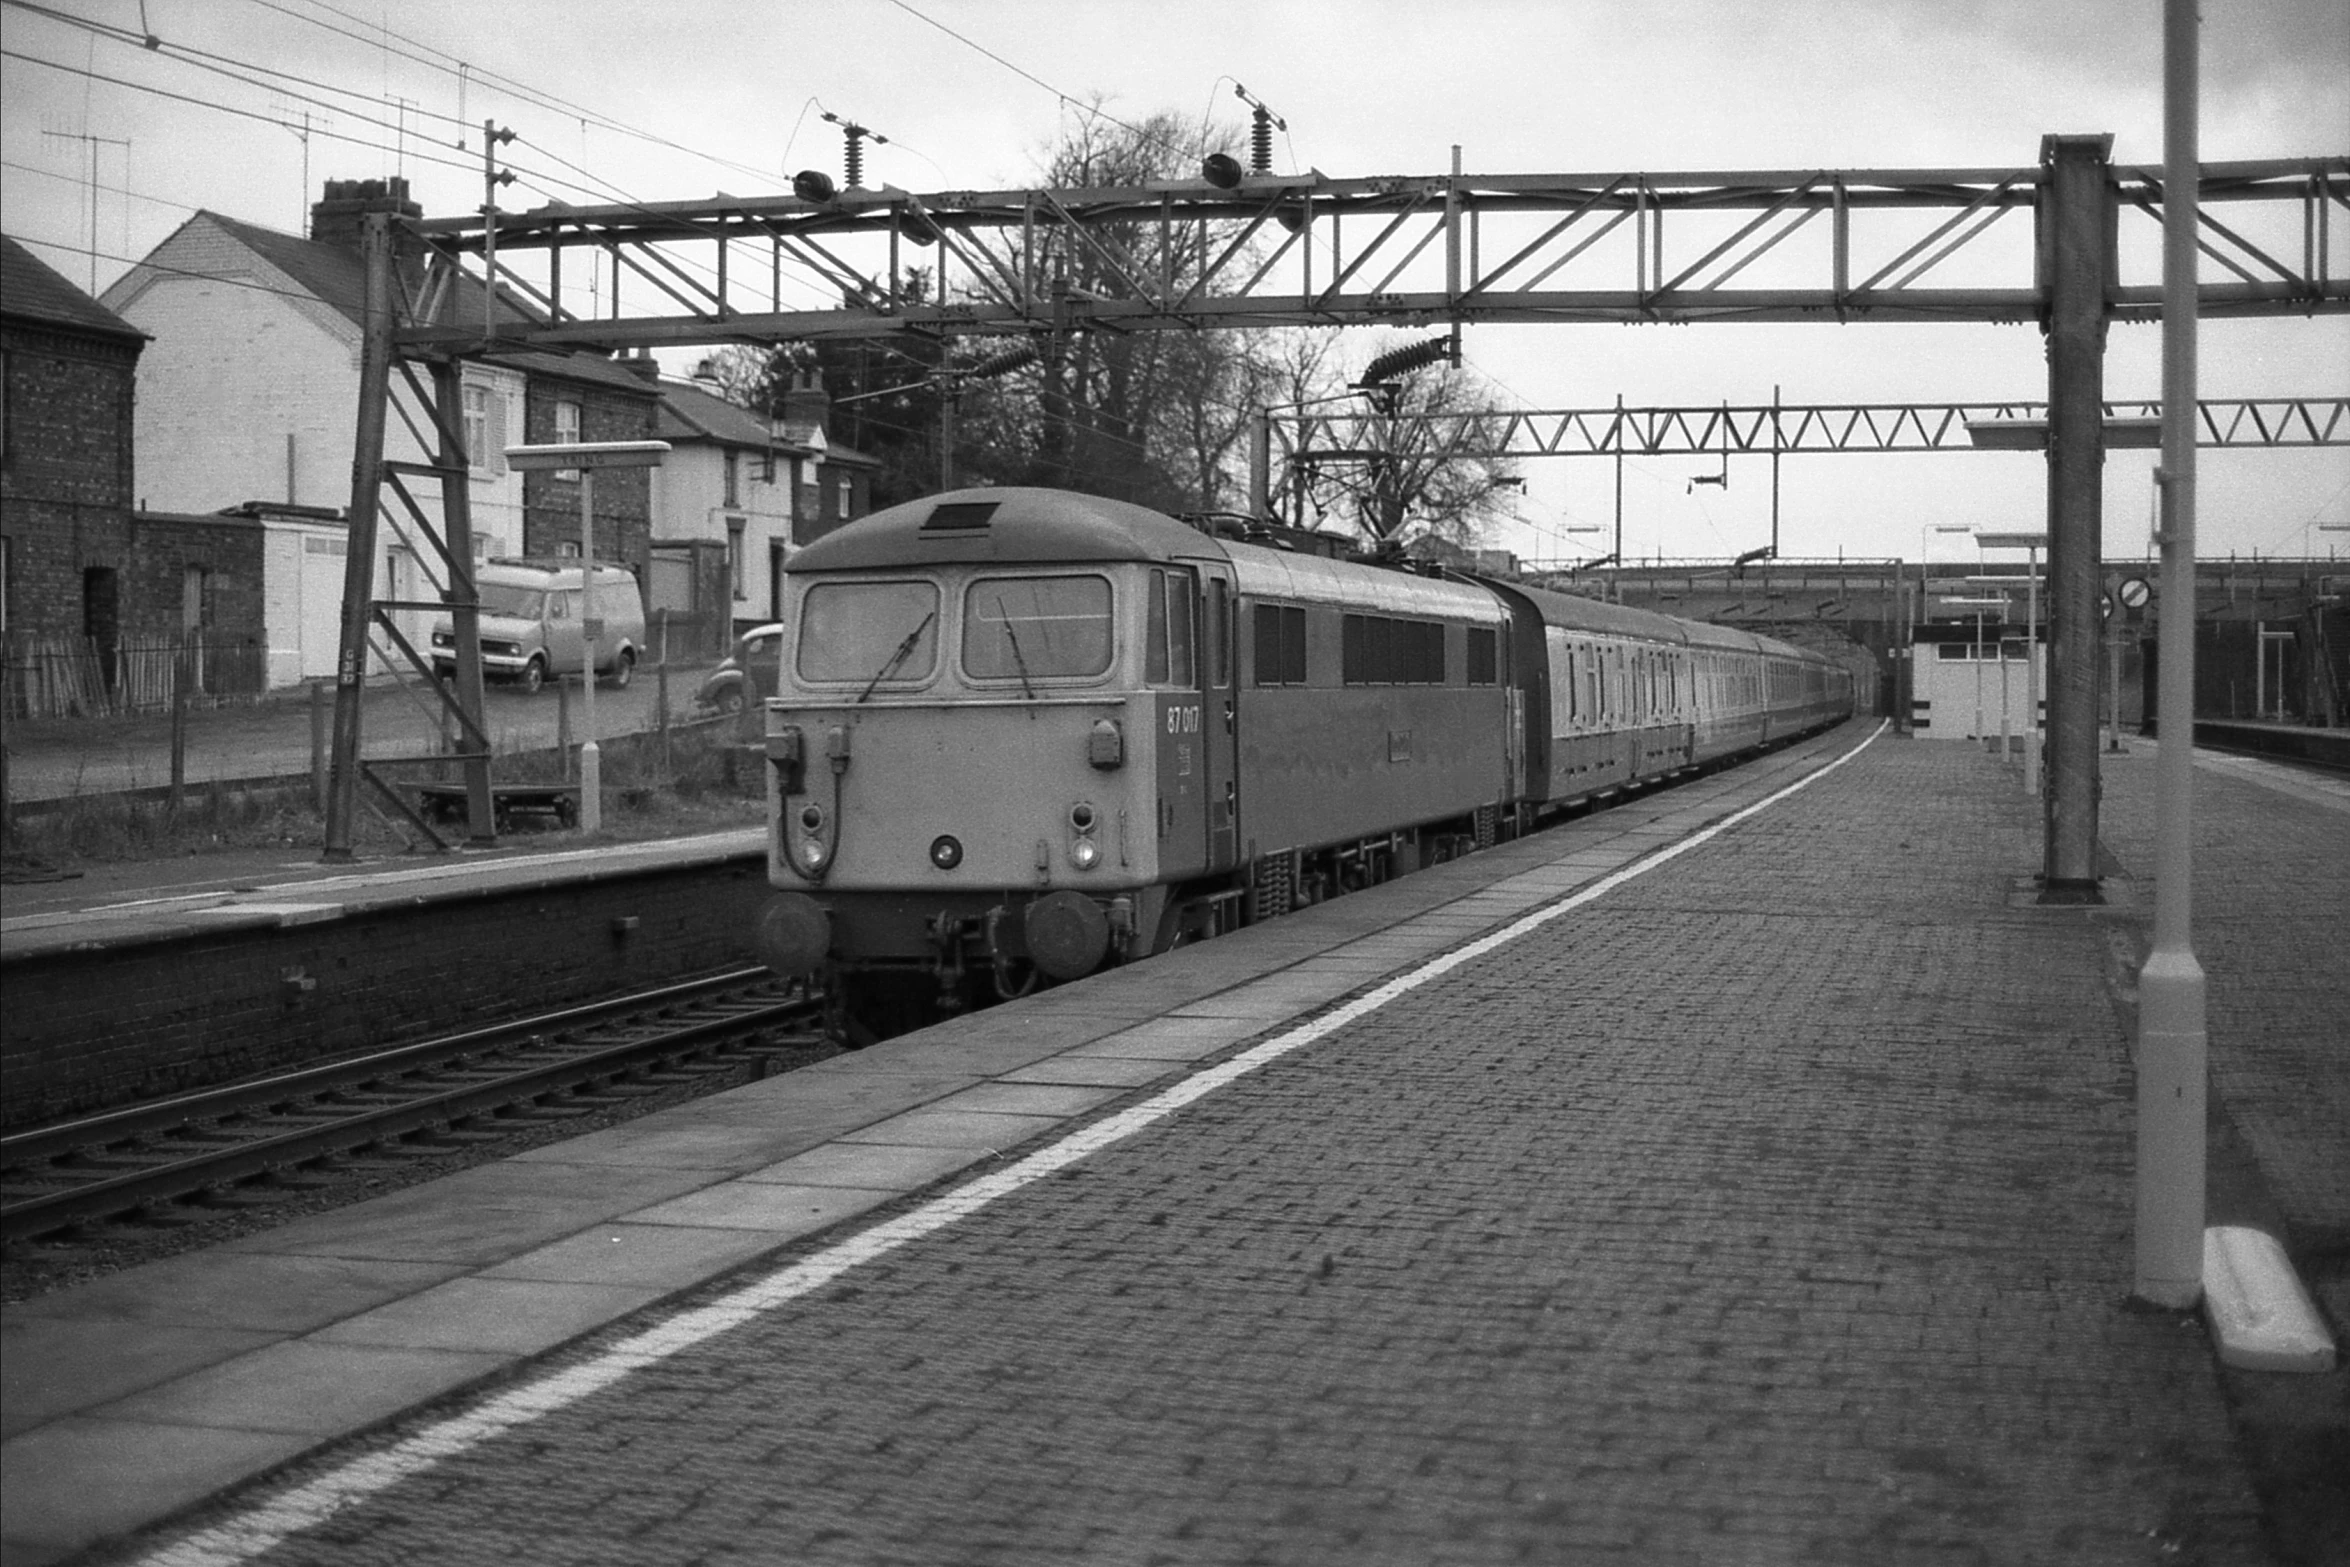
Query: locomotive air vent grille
(950, 516)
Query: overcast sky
(727, 96)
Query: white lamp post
(1979, 605)
(587, 457)
(2035, 542)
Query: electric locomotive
(1021, 734)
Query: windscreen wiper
(1019, 659)
(895, 659)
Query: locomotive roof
(1004, 525)
(1317, 579)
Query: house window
(566, 432)
(734, 547)
(477, 428)
(842, 487)
(766, 467)
(733, 469)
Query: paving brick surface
(1773, 1208)
(2271, 927)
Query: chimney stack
(337, 219)
(804, 401)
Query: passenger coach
(1023, 733)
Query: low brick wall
(88, 1029)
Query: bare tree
(1429, 478)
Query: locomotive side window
(1168, 661)
(1483, 656)
(1280, 631)
(1378, 650)
(1219, 637)
(1035, 628)
(869, 632)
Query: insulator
(856, 161)
(1260, 143)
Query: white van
(531, 623)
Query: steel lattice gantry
(1821, 245)
(1787, 429)
(2069, 244)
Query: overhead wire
(217, 107)
(452, 63)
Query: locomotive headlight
(1085, 850)
(812, 817)
(945, 852)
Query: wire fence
(81, 677)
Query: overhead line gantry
(2070, 244)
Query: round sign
(2135, 592)
(2105, 606)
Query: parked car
(531, 626)
(747, 675)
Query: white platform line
(242, 1538)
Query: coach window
(872, 633)
(1036, 628)
(1169, 637)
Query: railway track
(286, 1131)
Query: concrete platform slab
(505, 1316)
(662, 1257)
(1054, 1100)
(878, 1166)
(954, 1129)
(210, 1289)
(78, 1482)
(1170, 1039)
(1092, 1071)
(304, 1386)
(478, 1217)
(772, 1208)
(51, 1367)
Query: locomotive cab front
(994, 742)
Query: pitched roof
(689, 413)
(32, 290)
(580, 366)
(337, 275)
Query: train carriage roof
(1572, 612)
(1004, 525)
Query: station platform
(1741, 1174)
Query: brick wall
(92, 1029)
(226, 549)
(65, 478)
(624, 496)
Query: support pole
(1260, 465)
(367, 450)
(1618, 581)
(463, 596)
(2032, 676)
(2077, 218)
(2172, 1044)
(591, 760)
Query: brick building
(248, 401)
(68, 371)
